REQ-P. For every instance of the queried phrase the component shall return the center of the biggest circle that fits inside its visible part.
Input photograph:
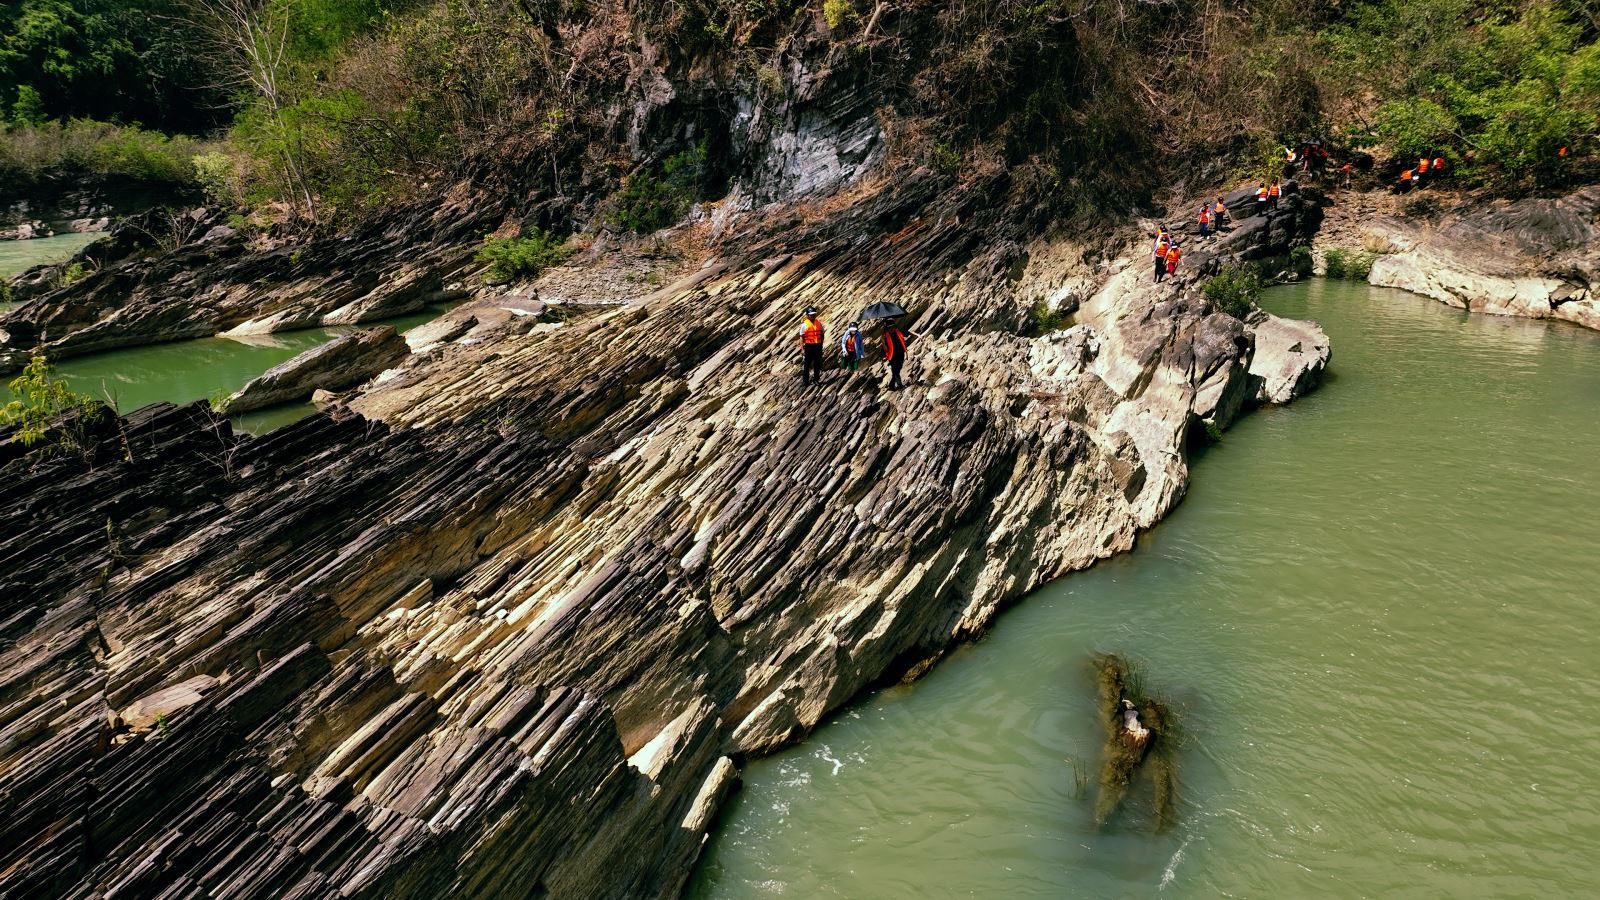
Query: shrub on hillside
(29, 153)
(510, 259)
(1235, 290)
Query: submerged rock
(345, 361)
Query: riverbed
(1373, 613)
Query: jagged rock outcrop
(508, 630)
(1533, 257)
(341, 363)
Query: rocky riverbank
(1533, 257)
(513, 626)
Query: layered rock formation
(162, 277)
(510, 630)
(343, 362)
(1533, 257)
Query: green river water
(1375, 612)
(183, 370)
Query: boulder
(341, 363)
(1290, 358)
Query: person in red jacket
(894, 351)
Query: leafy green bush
(42, 402)
(1354, 265)
(1500, 87)
(524, 257)
(1235, 290)
(649, 203)
(29, 153)
(837, 12)
(1045, 319)
(1300, 260)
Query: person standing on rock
(811, 345)
(851, 350)
(894, 351)
(1218, 213)
(1163, 243)
(1261, 199)
(1205, 221)
(1174, 253)
(1273, 193)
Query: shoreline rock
(1534, 257)
(341, 363)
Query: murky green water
(202, 369)
(1377, 611)
(185, 370)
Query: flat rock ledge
(341, 363)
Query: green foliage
(1500, 87)
(1213, 432)
(218, 175)
(649, 202)
(120, 60)
(510, 259)
(83, 148)
(1355, 266)
(73, 272)
(43, 406)
(1235, 290)
(1300, 260)
(1044, 319)
(838, 12)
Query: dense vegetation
(336, 105)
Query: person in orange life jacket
(1163, 243)
(1218, 213)
(1205, 221)
(894, 351)
(852, 348)
(1438, 165)
(1272, 194)
(1173, 255)
(1261, 199)
(1344, 174)
(1405, 182)
(811, 345)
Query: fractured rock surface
(509, 630)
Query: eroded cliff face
(509, 626)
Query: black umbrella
(884, 310)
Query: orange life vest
(1438, 164)
(1261, 192)
(1406, 175)
(1422, 165)
(1273, 191)
(1221, 208)
(1562, 152)
(850, 344)
(1173, 254)
(1205, 216)
(813, 332)
(894, 343)
(1162, 243)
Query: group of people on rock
(1267, 197)
(1429, 168)
(852, 348)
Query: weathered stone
(342, 362)
(1291, 356)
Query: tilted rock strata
(343, 362)
(512, 641)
